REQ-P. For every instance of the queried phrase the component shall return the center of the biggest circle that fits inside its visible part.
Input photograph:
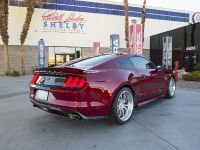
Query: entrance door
(60, 55)
(62, 58)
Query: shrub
(187, 77)
(194, 76)
(7, 73)
(198, 67)
(15, 73)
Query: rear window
(89, 62)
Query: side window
(125, 64)
(142, 63)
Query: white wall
(98, 27)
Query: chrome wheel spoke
(120, 98)
(122, 113)
(125, 105)
(119, 112)
(172, 87)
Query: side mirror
(159, 68)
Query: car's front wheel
(171, 88)
(122, 107)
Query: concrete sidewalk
(11, 86)
(189, 85)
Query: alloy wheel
(125, 106)
(172, 87)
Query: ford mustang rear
(104, 86)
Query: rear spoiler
(58, 70)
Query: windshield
(89, 62)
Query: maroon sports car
(104, 86)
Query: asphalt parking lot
(163, 125)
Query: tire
(122, 107)
(171, 88)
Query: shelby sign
(196, 17)
(59, 21)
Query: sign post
(132, 39)
(114, 43)
(96, 48)
(41, 53)
(135, 39)
(176, 69)
(167, 53)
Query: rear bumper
(73, 114)
(63, 102)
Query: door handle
(153, 74)
(131, 76)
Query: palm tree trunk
(4, 33)
(22, 67)
(143, 20)
(25, 29)
(126, 13)
(29, 14)
(6, 59)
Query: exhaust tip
(74, 117)
(34, 105)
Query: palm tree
(143, 19)
(29, 13)
(4, 32)
(126, 23)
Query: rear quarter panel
(103, 84)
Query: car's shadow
(153, 105)
(51, 120)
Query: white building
(73, 25)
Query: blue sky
(191, 5)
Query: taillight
(74, 82)
(35, 78)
